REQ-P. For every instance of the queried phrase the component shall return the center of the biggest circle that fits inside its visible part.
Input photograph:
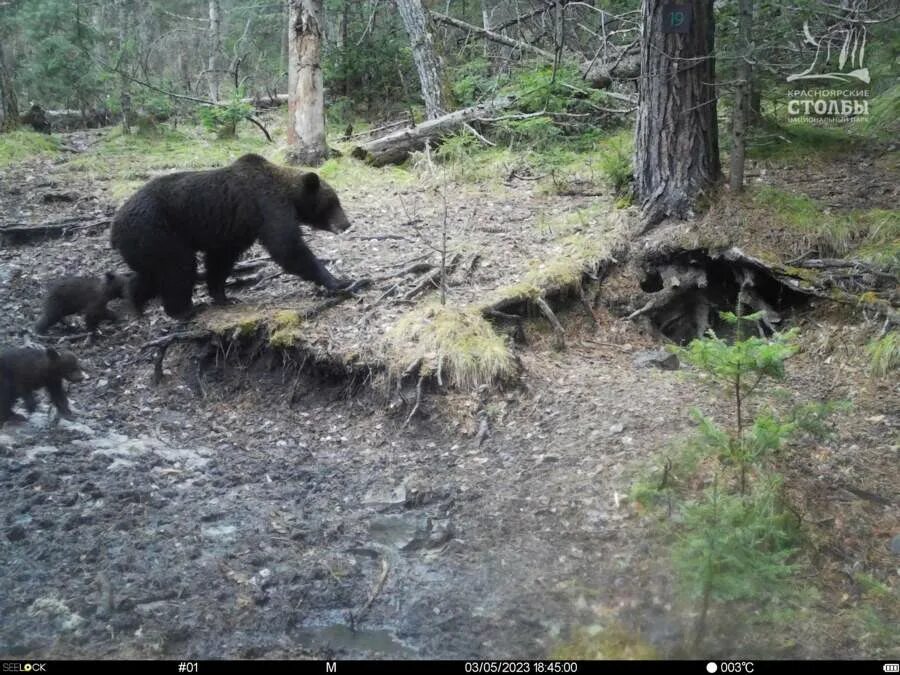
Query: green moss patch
(456, 346)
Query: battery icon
(891, 667)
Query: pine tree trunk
(486, 24)
(124, 17)
(742, 95)
(416, 22)
(9, 104)
(306, 102)
(676, 140)
(213, 74)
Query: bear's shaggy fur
(25, 370)
(81, 295)
(221, 213)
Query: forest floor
(258, 512)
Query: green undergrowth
(602, 159)
(884, 354)
(346, 173)
(16, 146)
(718, 500)
(129, 160)
(798, 143)
(872, 235)
(884, 115)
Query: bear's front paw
(349, 286)
(225, 301)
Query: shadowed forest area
(406, 329)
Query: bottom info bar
(512, 667)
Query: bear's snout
(338, 223)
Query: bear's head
(65, 365)
(317, 205)
(114, 285)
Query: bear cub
(25, 370)
(82, 295)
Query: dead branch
(385, 568)
(415, 268)
(491, 35)
(431, 277)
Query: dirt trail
(236, 525)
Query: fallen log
(268, 101)
(394, 148)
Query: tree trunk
(486, 24)
(676, 139)
(306, 102)
(124, 18)
(286, 38)
(416, 22)
(345, 46)
(9, 104)
(213, 74)
(742, 94)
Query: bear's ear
(311, 181)
(53, 354)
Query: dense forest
(449, 329)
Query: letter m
(331, 666)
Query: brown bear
(25, 370)
(221, 213)
(81, 295)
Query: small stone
(617, 428)
(895, 544)
(656, 358)
(16, 533)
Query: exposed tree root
(551, 317)
(415, 407)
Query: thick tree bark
(9, 104)
(676, 140)
(742, 95)
(213, 73)
(415, 20)
(124, 20)
(306, 102)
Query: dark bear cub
(221, 213)
(24, 371)
(82, 295)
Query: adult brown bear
(222, 212)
